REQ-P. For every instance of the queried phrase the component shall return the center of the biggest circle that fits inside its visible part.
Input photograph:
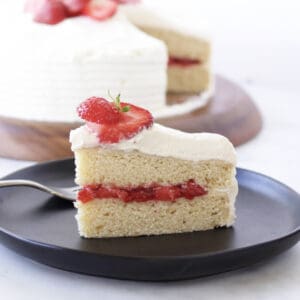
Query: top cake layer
(157, 154)
(182, 41)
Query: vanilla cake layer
(191, 79)
(181, 42)
(115, 218)
(134, 168)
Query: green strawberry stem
(117, 102)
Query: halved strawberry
(129, 124)
(114, 121)
(74, 7)
(46, 11)
(100, 9)
(98, 110)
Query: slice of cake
(140, 178)
(189, 50)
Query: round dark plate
(44, 229)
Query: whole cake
(140, 178)
(59, 60)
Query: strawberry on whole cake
(140, 178)
(62, 51)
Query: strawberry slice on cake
(114, 121)
(140, 178)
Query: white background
(257, 44)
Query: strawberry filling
(182, 62)
(156, 192)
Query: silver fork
(68, 193)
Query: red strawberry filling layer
(182, 62)
(156, 192)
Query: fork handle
(23, 182)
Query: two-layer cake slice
(140, 178)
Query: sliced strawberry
(46, 11)
(114, 121)
(99, 111)
(74, 7)
(130, 123)
(100, 9)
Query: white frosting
(231, 192)
(163, 141)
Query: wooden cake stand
(231, 112)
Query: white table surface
(257, 44)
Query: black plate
(44, 229)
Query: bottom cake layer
(116, 218)
(192, 79)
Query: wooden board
(230, 112)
